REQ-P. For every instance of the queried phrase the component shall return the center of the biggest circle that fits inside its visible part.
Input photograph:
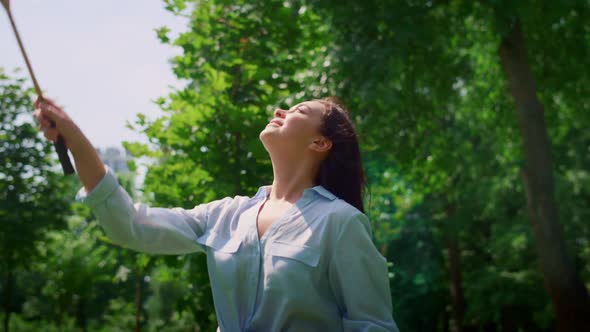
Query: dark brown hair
(342, 171)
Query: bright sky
(101, 60)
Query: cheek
(299, 131)
(301, 127)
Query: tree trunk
(508, 318)
(444, 324)
(568, 294)
(455, 283)
(7, 301)
(82, 322)
(138, 295)
(455, 288)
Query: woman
(297, 256)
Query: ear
(321, 144)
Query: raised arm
(52, 120)
(143, 228)
(136, 226)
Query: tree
(568, 293)
(77, 266)
(437, 57)
(32, 199)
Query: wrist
(75, 139)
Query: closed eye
(299, 108)
(296, 109)
(303, 109)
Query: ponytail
(341, 172)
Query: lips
(277, 122)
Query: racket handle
(62, 153)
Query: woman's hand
(52, 120)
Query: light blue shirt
(314, 269)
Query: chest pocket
(304, 254)
(219, 243)
(223, 263)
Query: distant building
(115, 158)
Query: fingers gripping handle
(61, 149)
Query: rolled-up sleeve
(140, 227)
(359, 279)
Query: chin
(264, 135)
(268, 138)
(267, 131)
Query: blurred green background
(472, 117)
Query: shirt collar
(324, 192)
(263, 191)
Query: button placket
(260, 255)
(255, 258)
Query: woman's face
(296, 127)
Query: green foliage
(441, 149)
(119, 316)
(438, 98)
(76, 266)
(32, 200)
(17, 323)
(240, 58)
(180, 296)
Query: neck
(291, 177)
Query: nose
(279, 113)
